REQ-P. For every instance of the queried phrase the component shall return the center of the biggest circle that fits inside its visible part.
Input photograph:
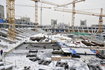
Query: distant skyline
(48, 14)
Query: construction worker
(66, 67)
(1, 52)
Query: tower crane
(36, 7)
(54, 4)
(10, 5)
(10, 8)
(73, 13)
(100, 30)
(36, 11)
(100, 15)
(73, 9)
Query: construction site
(54, 35)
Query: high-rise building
(1, 12)
(83, 23)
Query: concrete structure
(62, 26)
(1, 12)
(91, 29)
(24, 20)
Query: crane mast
(36, 11)
(100, 22)
(11, 19)
(73, 15)
(73, 12)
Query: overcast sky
(61, 17)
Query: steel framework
(11, 19)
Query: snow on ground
(20, 61)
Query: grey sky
(48, 14)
